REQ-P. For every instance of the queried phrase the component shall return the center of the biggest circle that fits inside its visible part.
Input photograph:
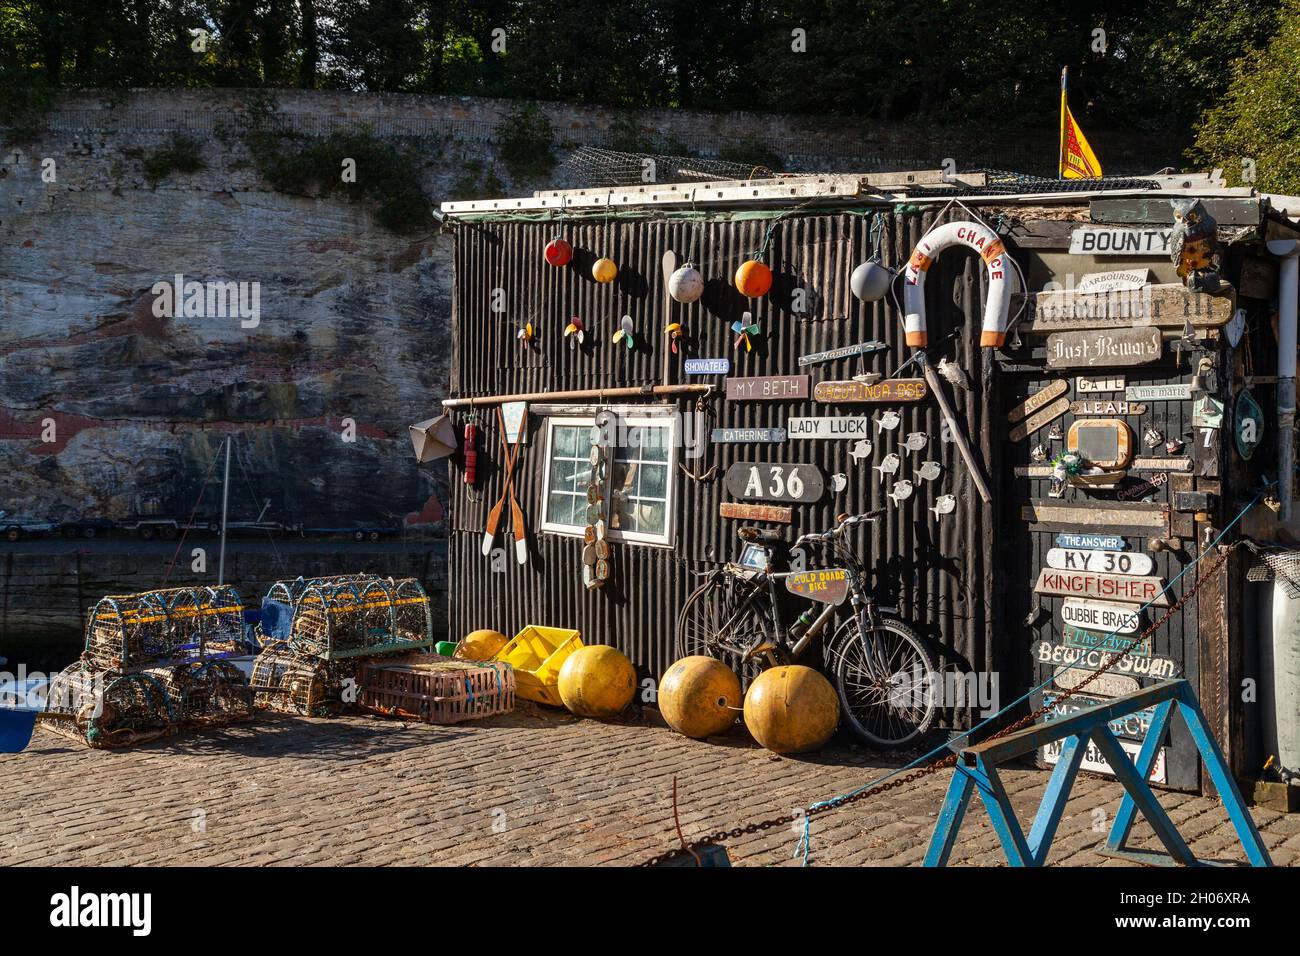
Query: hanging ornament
(861, 449)
(901, 491)
(1054, 433)
(525, 334)
(870, 281)
(889, 420)
(868, 378)
(575, 333)
(930, 470)
(753, 279)
(624, 333)
(686, 285)
(1174, 446)
(888, 465)
(558, 252)
(603, 270)
(945, 505)
(745, 327)
(1039, 453)
(674, 332)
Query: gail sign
(1112, 562)
(828, 426)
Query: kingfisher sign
(1129, 589)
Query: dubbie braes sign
(1106, 587)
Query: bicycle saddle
(765, 535)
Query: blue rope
(806, 839)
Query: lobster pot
(205, 692)
(288, 592)
(107, 709)
(132, 631)
(440, 691)
(292, 683)
(361, 618)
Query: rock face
(109, 409)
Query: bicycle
(885, 678)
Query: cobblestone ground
(531, 788)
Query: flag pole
(1060, 153)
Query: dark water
(48, 653)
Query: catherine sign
(828, 426)
(1104, 587)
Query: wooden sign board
(1107, 542)
(828, 426)
(1103, 407)
(1034, 471)
(1037, 400)
(1070, 676)
(1040, 418)
(1107, 241)
(1144, 519)
(829, 586)
(1109, 640)
(848, 351)
(767, 388)
(1167, 306)
(515, 417)
(1132, 726)
(707, 366)
(1100, 616)
(1099, 348)
(1111, 383)
(1094, 762)
(755, 481)
(1161, 464)
(775, 513)
(1110, 562)
(1095, 659)
(889, 390)
(1126, 280)
(737, 436)
(1104, 442)
(1159, 393)
(1103, 587)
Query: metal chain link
(951, 759)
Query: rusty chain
(951, 759)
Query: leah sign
(1111, 562)
(1099, 348)
(829, 586)
(890, 390)
(828, 426)
(774, 482)
(767, 388)
(1105, 587)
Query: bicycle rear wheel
(887, 690)
(710, 626)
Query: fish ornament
(575, 333)
(839, 482)
(861, 449)
(901, 491)
(889, 465)
(915, 441)
(930, 470)
(889, 420)
(945, 505)
(624, 333)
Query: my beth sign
(1104, 587)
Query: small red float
(558, 252)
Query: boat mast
(225, 499)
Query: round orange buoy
(597, 681)
(753, 279)
(699, 696)
(791, 709)
(604, 270)
(481, 645)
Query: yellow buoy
(481, 645)
(791, 709)
(604, 270)
(697, 696)
(597, 681)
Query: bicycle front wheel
(886, 681)
(721, 619)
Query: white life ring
(984, 241)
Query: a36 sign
(760, 481)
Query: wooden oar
(669, 267)
(494, 516)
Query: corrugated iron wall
(941, 571)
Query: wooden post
(958, 436)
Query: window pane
(654, 481)
(559, 509)
(566, 441)
(651, 518)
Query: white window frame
(630, 418)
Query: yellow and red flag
(1077, 160)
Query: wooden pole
(958, 436)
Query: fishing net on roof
(589, 166)
(1006, 182)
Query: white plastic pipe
(1288, 293)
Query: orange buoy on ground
(597, 681)
(791, 709)
(481, 645)
(753, 279)
(698, 696)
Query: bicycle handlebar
(843, 522)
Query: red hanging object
(471, 453)
(558, 252)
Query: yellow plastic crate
(537, 654)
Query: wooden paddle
(669, 266)
(494, 516)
